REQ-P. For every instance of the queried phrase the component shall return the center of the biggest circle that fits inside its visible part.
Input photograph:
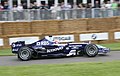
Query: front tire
(25, 53)
(91, 50)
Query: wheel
(25, 53)
(91, 50)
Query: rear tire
(25, 53)
(91, 50)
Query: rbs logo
(42, 43)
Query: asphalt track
(13, 61)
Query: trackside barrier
(111, 36)
(51, 26)
(47, 14)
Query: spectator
(20, 11)
(97, 10)
(88, 10)
(66, 7)
(108, 4)
(74, 6)
(103, 5)
(81, 12)
(114, 5)
(119, 9)
(35, 6)
(1, 7)
(89, 5)
(20, 8)
(75, 9)
(25, 6)
(80, 5)
(6, 6)
(103, 9)
(42, 6)
(35, 10)
(114, 8)
(46, 6)
(31, 5)
(14, 9)
(55, 10)
(66, 10)
(97, 5)
(119, 5)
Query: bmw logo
(94, 36)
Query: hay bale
(1, 29)
(16, 28)
(73, 25)
(102, 24)
(44, 26)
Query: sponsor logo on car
(53, 50)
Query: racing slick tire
(91, 50)
(25, 53)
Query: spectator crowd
(59, 11)
(34, 5)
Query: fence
(43, 14)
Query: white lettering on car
(42, 43)
(14, 49)
(16, 45)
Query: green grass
(74, 69)
(112, 46)
(4, 52)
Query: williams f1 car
(45, 47)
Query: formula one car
(46, 48)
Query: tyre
(91, 50)
(25, 53)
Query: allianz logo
(55, 49)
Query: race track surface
(13, 61)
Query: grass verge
(112, 46)
(74, 69)
(5, 52)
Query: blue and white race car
(45, 47)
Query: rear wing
(16, 45)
